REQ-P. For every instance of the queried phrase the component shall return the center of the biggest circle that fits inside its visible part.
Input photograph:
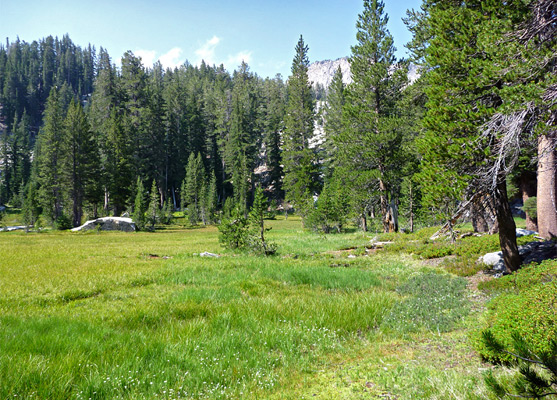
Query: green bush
(530, 313)
(63, 222)
(234, 230)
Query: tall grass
(143, 316)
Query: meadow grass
(143, 316)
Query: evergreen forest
(391, 235)
(80, 136)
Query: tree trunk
(528, 189)
(363, 222)
(507, 228)
(479, 222)
(383, 204)
(411, 210)
(547, 214)
(393, 216)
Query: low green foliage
(138, 316)
(434, 302)
(537, 370)
(239, 232)
(524, 306)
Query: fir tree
(257, 242)
(299, 160)
(80, 163)
(333, 122)
(140, 206)
(194, 183)
(371, 141)
(153, 209)
(51, 147)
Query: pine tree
(275, 108)
(80, 165)
(299, 160)
(371, 141)
(470, 94)
(51, 147)
(194, 183)
(140, 206)
(210, 200)
(257, 242)
(153, 209)
(333, 121)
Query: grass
(143, 316)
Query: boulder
(13, 228)
(207, 254)
(537, 251)
(524, 232)
(492, 258)
(108, 224)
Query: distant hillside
(321, 72)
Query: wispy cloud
(236, 59)
(207, 51)
(172, 58)
(148, 57)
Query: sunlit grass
(142, 315)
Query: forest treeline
(81, 136)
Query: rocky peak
(321, 72)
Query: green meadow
(142, 316)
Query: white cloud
(172, 58)
(207, 51)
(235, 60)
(147, 57)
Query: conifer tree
(51, 147)
(153, 209)
(140, 206)
(80, 165)
(372, 139)
(466, 89)
(275, 104)
(194, 184)
(333, 126)
(299, 160)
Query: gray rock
(13, 228)
(207, 254)
(537, 251)
(492, 258)
(524, 232)
(108, 224)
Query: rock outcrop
(108, 224)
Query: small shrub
(434, 302)
(63, 222)
(530, 313)
(234, 230)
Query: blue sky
(261, 32)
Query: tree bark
(383, 204)
(507, 227)
(479, 222)
(547, 214)
(528, 189)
